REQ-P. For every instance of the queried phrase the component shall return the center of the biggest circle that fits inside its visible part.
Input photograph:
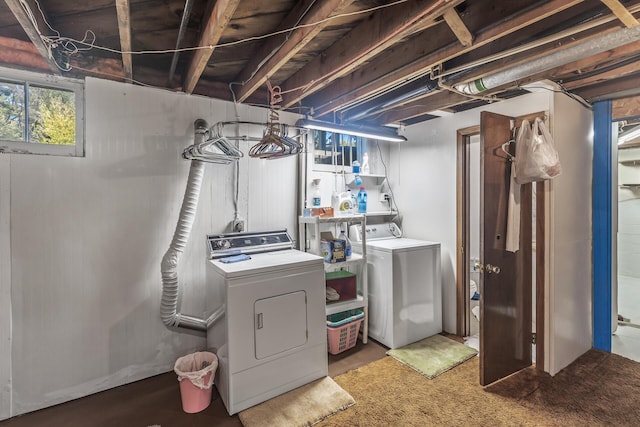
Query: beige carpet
(433, 355)
(304, 406)
(598, 389)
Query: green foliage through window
(50, 116)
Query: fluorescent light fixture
(365, 131)
(629, 135)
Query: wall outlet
(385, 197)
(237, 225)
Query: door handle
(488, 268)
(492, 269)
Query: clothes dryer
(272, 337)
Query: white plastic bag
(536, 157)
(195, 368)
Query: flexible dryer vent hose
(169, 267)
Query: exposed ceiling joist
(277, 50)
(217, 21)
(362, 60)
(458, 27)
(618, 88)
(361, 44)
(33, 29)
(124, 27)
(617, 72)
(23, 54)
(378, 77)
(438, 100)
(625, 108)
(621, 12)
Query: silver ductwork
(169, 266)
(562, 57)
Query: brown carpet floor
(598, 389)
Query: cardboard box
(322, 212)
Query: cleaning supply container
(195, 373)
(343, 205)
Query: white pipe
(169, 266)
(561, 57)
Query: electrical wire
(386, 177)
(71, 46)
(92, 45)
(562, 90)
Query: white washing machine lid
(398, 244)
(266, 262)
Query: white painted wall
(425, 177)
(5, 287)
(570, 296)
(629, 214)
(87, 236)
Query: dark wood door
(505, 283)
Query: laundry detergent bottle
(344, 205)
(362, 201)
(316, 197)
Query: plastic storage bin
(343, 282)
(342, 330)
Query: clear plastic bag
(199, 368)
(536, 157)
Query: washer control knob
(224, 244)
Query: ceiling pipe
(561, 57)
(183, 26)
(458, 72)
(427, 88)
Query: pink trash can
(195, 373)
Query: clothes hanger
(510, 157)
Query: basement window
(335, 149)
(41, 114)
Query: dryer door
(280, 323)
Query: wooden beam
(32, 29)
(458, 27)
(621, 12)
(621, 71)
(216, 23)
(625, 108)
(613, 89)
(265, 62)
(555, 73)
(104, 68)
(124, 27)
(15, 52)
(379, 76)
(438, 100)
(383, 29)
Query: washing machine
(405, 285)
(272, 337)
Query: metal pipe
(427, 88)
(540, 42)
(183, 25)
(562, 57)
